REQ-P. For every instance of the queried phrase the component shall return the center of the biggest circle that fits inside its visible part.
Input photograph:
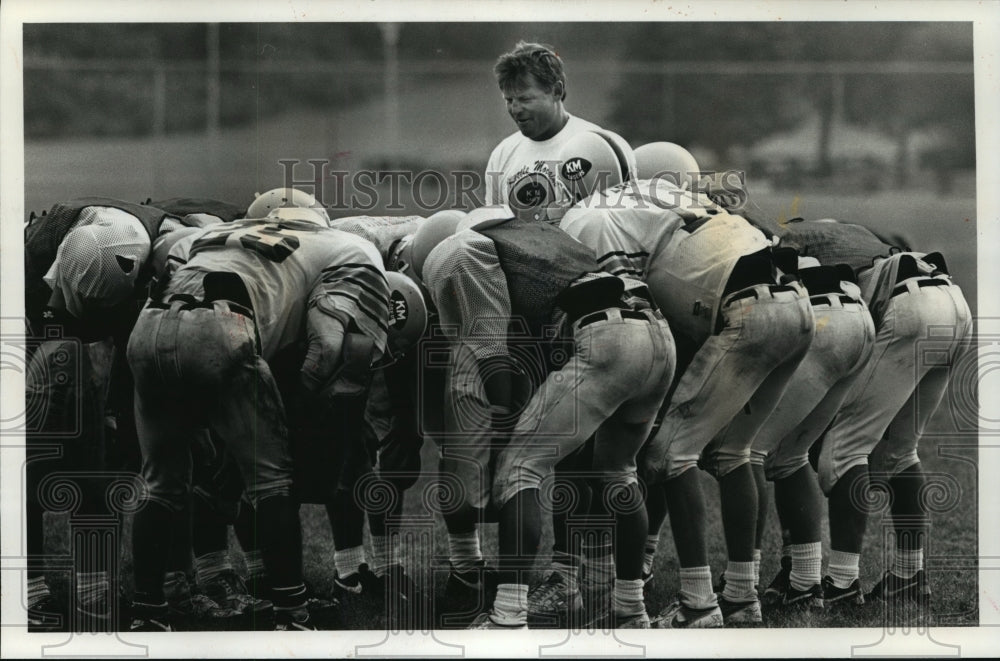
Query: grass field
(137, 169)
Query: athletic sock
(347, 561)
(511, 604)
(756, 566)
(255, 563)
(464, 552)
(807, 561)
(291, 598)
(91, 587)
(38, 589)
(210, 565)
(628, 597)
(843, 568)
(739, 582)
(696, 587)
(384, 554)
(907, 562)
(649, 553)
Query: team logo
(399, 311)
(576, 168)
(530, 192)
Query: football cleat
(640, 621)
(833, 596)
(486, 621)
(740, 612)
(362, 583)
(147, 617)
(811, 598)
(893, 588)
(48, 614)
(779, 584)
(466, 595)
(679, 616)
(552, 605)
(229, 591)
(297, 619)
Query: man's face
(536, 112)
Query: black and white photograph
(499, 329)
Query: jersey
(681, 244)
(288, 267)
(517, 155)
(833, 243)
(490, 282)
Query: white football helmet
(307, 215)
(669, 161)
(593, 161)
(408, 315)
(411, 252)
(283, 198)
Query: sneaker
(485, 621)
(298, 619)
(551, 604)
(640, 621)
(740, 612)
(894, 588)
(811, 598)
(229, 591)
(774, 594)
(48, 614)
(466, 595)
(849, 596)
(362, 583)
(191, 609)
(146, 617)
(403, 597)
(679, 616)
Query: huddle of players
(609, 329)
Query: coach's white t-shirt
(517, 155)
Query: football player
(243, 292)
(875, 434)
(743, 334)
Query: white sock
(739, 582)
(211, 565)
(38, 589)
(807, 564)
(696, 587)
(91, 586)
(384, 554)
(649, 553)
(906, 563)
(464, 552)
(255, 563)
(348, 561)
(570, 575)
(756, 566)
(628, 597)
(843, 568)
(511, 604)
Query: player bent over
(501, 275)
(876, 432)
(199, 353)
(712, 275)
